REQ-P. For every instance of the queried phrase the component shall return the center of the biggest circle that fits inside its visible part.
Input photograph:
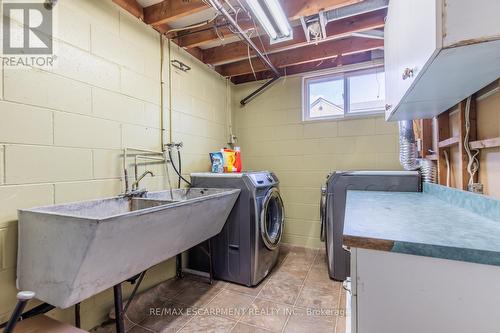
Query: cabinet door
(411, 42)
(419, 40)
(391, 47)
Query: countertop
(439, 222)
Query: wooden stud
(446, 143)
(442, 129)
(485, 143)
(426, 137)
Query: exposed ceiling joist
(131, 6)
(323, 51)
(297, 8)
(207, 34)
(170, 10)
(293, 8)
(308, 67)
(334, 30)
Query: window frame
(307, 80)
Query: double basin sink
(70, 252)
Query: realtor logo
(27, 29)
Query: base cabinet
(394, 293)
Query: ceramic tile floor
(298, 296)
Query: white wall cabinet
(437, 53)
(395, 293)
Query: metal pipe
(132, 295)
(125, 156)
(178, 266)
(217, 5)
(162, 123)
(355, 9)
(77, 315)
(257, 92)
(22, 299)
(117, 294)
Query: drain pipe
(218, 6)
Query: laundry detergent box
(217, 160)
(232, 160)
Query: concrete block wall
(273, 136)
(62, 130)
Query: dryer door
(272, 219)
(322, 212)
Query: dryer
(332, 208)
(247, 248)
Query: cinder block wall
(61, 131)
(272, 136)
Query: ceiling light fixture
(279, 17)
(261, 16)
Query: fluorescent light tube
(279, 17)
(261, 16)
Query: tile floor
(289, 300)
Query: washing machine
(247, 248)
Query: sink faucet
(135, 185)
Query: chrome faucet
(135, 185)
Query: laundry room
(249, 166)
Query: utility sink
(69, 252)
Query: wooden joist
(307, 67)
(131, 6)
(293, 8)
(169, 10)
(323, 51)
(207, 34)
(297, 8)
(334, 30)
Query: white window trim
(344, 73)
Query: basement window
(342, 95)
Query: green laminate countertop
(439, 222)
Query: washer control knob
(270, 178)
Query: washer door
(272, 219)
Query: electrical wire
(473, 164)
(250, 59)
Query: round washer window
(272, 219)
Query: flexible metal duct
(408, 153)
(428, 171)
(407, 146)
